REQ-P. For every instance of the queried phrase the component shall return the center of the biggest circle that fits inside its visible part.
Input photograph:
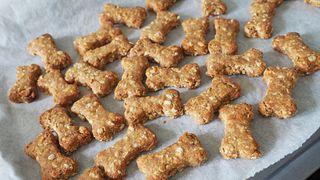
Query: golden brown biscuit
(115, 159)
(142, 109)
(188, 77)
(305, 60)
(203, 107)
(157, 30)
(196, 30)
(93, 173)
(225, 40)
(250, 63)
(54, 165)
(45, 47)
(130, 16)
(165, 56)
(131, 83)
(260, 25)
(71, 136)
(159, 5)
(315, 3)
(24, 89)
(186, 152)
(53, 83)
(100, 82)
(104, 124)
(238, 140)
(278, 100)
(213, 7)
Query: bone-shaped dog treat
(165, 56)
(188, 76)
(130, 16)
(93, 173)
(213, 7)
(278, 100)
(260, 25)
(45, 47)
(115, 159)
(104, 124)
(103, 55)
(225, 40)
(186, 152)
(305, 60)
(71, 136)
(101, 37)
(100, 82)
(157, 30)
(238, 140)
(194, 42)
(315, 3)
(24, 89)
(142, 109)
(159, 5)
(203, 107)
(53, 83)
(250, 63)
(131, 83)
(54, 165)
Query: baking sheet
(21, 21)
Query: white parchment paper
(21, 21)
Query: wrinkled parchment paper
(21, 21)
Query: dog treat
(132, 17)
(53, 83)
(188, 76)
(157, 30)
(305, 60)
(315, 3)
(93, 173)
(213, 7)
(225, 40)
(100, 82)
(160, 5)
(54, 165)
(103, 55)
(203, 107)
(71, 136)
(186, 152)
(278, 100)
(165, 56)
(131, 83)
(238, 140)
(101, 37)
(24, 89)
(250, 63)
(45, 47)
(260, 25)
(115, 159)
(194, 42)
(142, 109)
(104, 124)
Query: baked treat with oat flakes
(142, 109)
(116, 158)
(278, 100)
(160, 5)
(100, 82)
(196, 30)
(203, 107)
(238, 140)
(186, 152)
(93, 173)
(250, 63)
(213, 7)
(104, 124)
(24, 89)
(54, 165)
(305, 60)
(45, 47)
(131, 83)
